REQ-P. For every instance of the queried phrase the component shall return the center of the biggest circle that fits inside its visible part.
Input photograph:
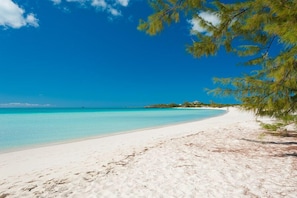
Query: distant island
(190, 104)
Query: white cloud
(99, 3)
(80, 1)
(56, 1)
(110, 6)
(11, 15)
(123, 2)
(103, 5)
(211, 18)
(20, 104)
(95, 3)
(31, 20)
(114, 11)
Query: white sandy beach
(224, 156)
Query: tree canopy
(264, 30)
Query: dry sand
(225, 156)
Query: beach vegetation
(272, 127)
(262, 30)
(281, 127)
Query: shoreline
(157, 133)
(214, 157)
(36, 146)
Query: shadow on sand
(269, 142)
(294, 148)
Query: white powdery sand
(225, 156)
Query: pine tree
(246, 28)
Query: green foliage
(171, 105)
(167, 12)
(272, 127)
(190, 104)
(249, 28)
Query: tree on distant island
(264, 30)
(190, 104)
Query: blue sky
(72, 53)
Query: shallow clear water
(30, 127)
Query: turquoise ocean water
(20, 128)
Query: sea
(22, 128)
